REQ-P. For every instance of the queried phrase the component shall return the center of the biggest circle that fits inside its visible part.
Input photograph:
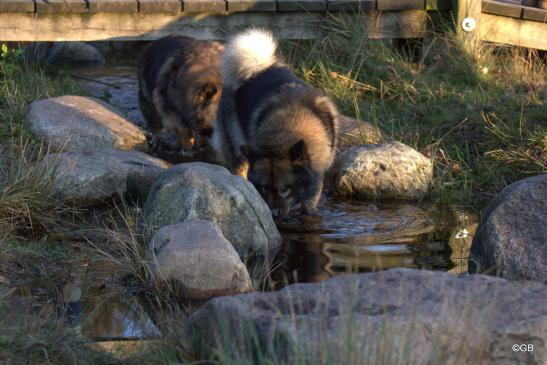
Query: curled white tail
(247, 54)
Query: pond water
(90, 297)
(343, 237)
(352, 237)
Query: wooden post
(466, 15)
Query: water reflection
(349, 237)
(115, 315)
(90, 297)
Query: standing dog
(180, 86)
(272, 128)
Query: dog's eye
(285, 193)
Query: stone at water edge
(89, 178)
(383, 171)
(511, 240)
(195, 256)
(75, 54)
(411, 316)
(352, 132)
(82, 124)
(211, 192)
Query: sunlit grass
(480, 114)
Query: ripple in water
(351, 237)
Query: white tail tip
(247, 54)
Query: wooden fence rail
(91, 20)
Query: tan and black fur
(273, 128)
(180, 86)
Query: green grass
(481, 116)
(22, 82)
(27, 204)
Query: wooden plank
(17, 6)
(438, 4)
(251, 5)
(301, 5)
(463, 10)
(61, 6)
(203, 6)
(511, 31)
(503, 9)
(394, 5)
(146, 26)
(113, 6)
(351, 5)
(534, 14)
(160, 6)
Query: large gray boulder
(511, 240)
(383, 171)
(90, 177)
(82, 124)
(195, 257)
(210, 192)
(399, 316)
(75, 54)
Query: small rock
(210, 192)
(385, 171)
(75, 54)
(89, 178)
(408, 316)
(353, 132)
(195, 256)
(81, 124)
(511, 240)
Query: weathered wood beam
(61, 6)
(17, 6)
(351, 5)
(504, 9)
(149, 26)
(301, 5)
(160, 6)
(467, 9)
(144, 26)
(515, 32)
(400, 5)
(113, 6)
(251, 5)
(203, 6)
(535, 14)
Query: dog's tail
(246, 55)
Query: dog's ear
(298, 153)
(324, 108)
(207, 92)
